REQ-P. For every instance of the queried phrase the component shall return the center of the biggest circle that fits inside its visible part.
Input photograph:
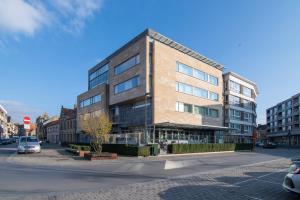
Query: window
(90, 101)
(247, 129)
(184, 88)
(233, 100)
(235, 114)
(235, 87)
(207, 112)
(127, 85)
(188, 108)
(200, 75)
(127, 64)
(247, 117)
(99, 76)
(213, 96)
(237, 127)
(179, 107)
(247, 91)
(184, 107)
(184, 69)
(213, 80)
(199, 92)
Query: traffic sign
(26, 120)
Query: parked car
(5, 141)
(259, 144)
(291, 181)
(29, 145)
(269, 145)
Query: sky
(47, 47)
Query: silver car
(291, 181)
(28, 145)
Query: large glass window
(184, 88)
(247, 91)
(185, 69)
(235, 87)
(200, 75)
(90, 101)
(199, 92)
(213, 80)
(233, 100)
(127, 64)
(200, 110)
(213, 96)
(235, 114)
(127, 85)
(99, 76)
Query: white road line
(252, 197)
(256, 178)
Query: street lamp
(289, 136)
(146, 115)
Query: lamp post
(289, 136)
(146, 115)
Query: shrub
(198, 148)
(80, 147)
(130, 150)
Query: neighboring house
(283, 121)
(45, 128)
(161, 88)
(67, 121)
(53, 131)
(240, 106)
(3, 123)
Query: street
(57, 175)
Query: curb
(191, 154)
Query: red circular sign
(26, 120)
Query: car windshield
(29, 139)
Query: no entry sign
(26, 121)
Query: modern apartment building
(240, 105)
(283, 121)
(155, 84)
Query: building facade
(53, 131)
(67, 125)
(283, 121)
(240, 105)
(40, 130)
(3, 123)
(157, 86)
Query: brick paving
(261, 181)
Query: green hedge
(80, 147)
(198, 148)
(129, 150)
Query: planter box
(81, 153)
(103, 156)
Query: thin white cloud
(20, 16)
(29, 16)
(18, 110)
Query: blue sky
(46, 47)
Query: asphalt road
(17, 180)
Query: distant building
(52, 131)
(20, 129)
(67, 125)
(40, 131)
(262, 132)
(283, 121)
(3, 123)
(240, 105)
(48, 123)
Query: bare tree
(97, 127)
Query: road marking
(252, 197)
(257, 178)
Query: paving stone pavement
(253, 182)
